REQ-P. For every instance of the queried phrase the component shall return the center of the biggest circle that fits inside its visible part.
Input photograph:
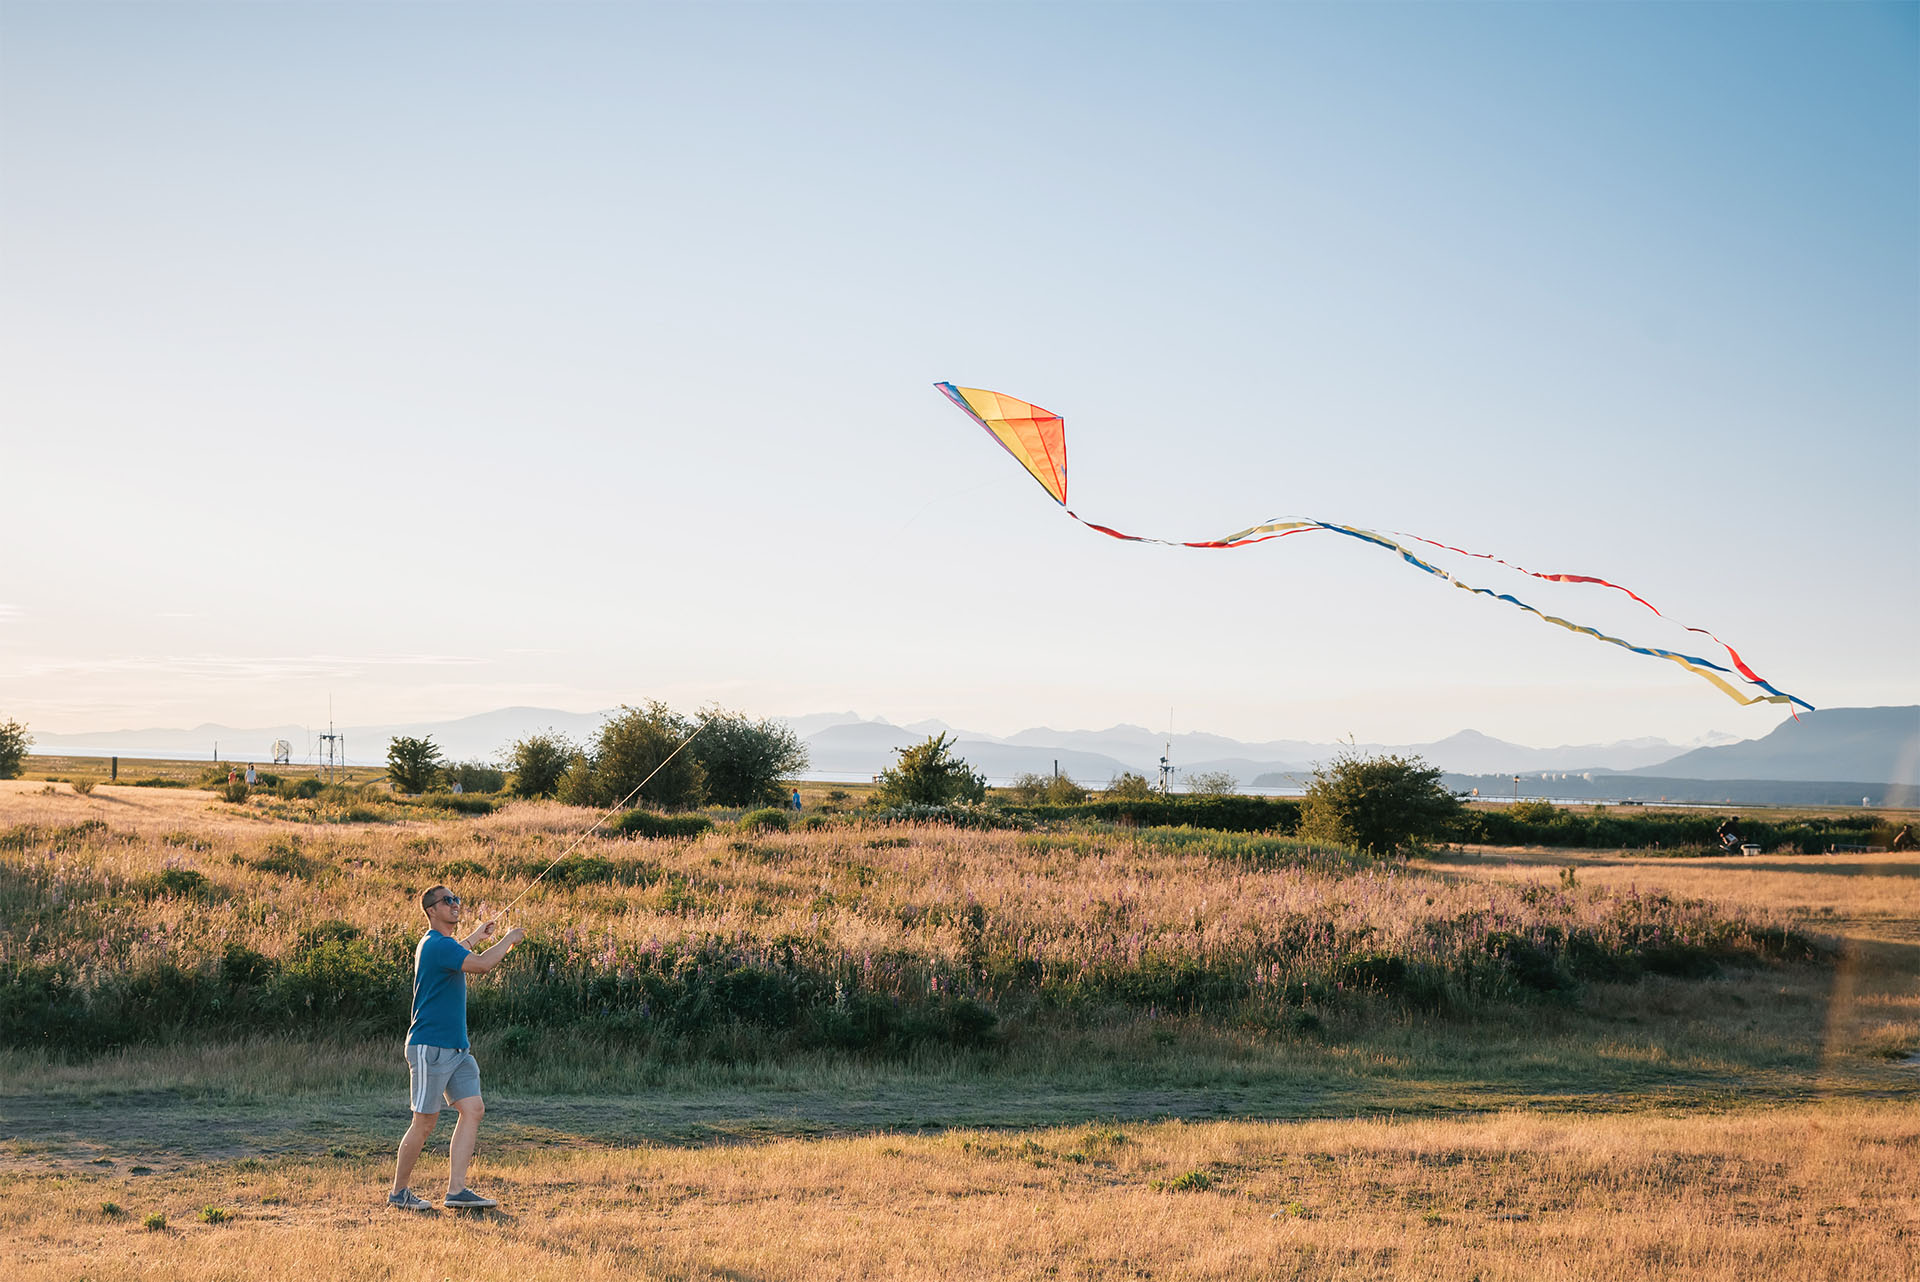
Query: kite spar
(1037, 438)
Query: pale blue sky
(441, 357)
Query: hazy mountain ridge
(1835, 745)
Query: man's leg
(411, 1144)
(465, 1133)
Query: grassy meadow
(868, 1051)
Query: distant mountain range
(1875, 745)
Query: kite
(1038, 439)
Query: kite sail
(1038, 439)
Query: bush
(14, 742)
(1221, 814)
(184, 883)
(926, 775)
(413, 765)
(1028, 787)
(768, 820)
(473, 776)
(1128, 786)
(460, 803)
(235, 792)
(539, 762)
(83, 786)
(284, 858)
(634, 759)
(645, 823)
(1377, 804)
(1051, 790)
(984, 818)
(1213, 783)
(744, 761)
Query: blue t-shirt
(439, 992)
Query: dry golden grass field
(1755, 1120)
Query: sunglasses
(447, 899)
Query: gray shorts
(435, 1073)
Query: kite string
(617, 806)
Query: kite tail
(1732, 653)
(1037, 439)
(1705, 669)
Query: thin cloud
(247, 667)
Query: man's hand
(514, 936)
(486, 928)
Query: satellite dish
(282, 752)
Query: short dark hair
(426, 896)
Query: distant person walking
(796, 799)
(440, 1063)
(252, 776)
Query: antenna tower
(1166, 758)
(331, 750)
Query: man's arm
(481, 963)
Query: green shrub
(645, 823)
(460, 803)
(1377, 804)
(184, 883)
(284, 859)
(984, 818)
(927, 775)
(1213, 783)
(413, 765)
(1029, 788)
(14, 742)
(156, 1222)
(743, 761)
(235, 791)
(83, 786)
(214, 1215)
(1218, 814)
(538, 763)
(768, 820)
(636, 757)
(473, 777)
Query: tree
(926, 775)
(1213, 783)
(538, 763)
(746, 760)
(413, 765)
(1128, 786)
(630, 747)
(14, 742)
(1376, 804)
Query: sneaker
(468, 1200)
(408, 1200)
